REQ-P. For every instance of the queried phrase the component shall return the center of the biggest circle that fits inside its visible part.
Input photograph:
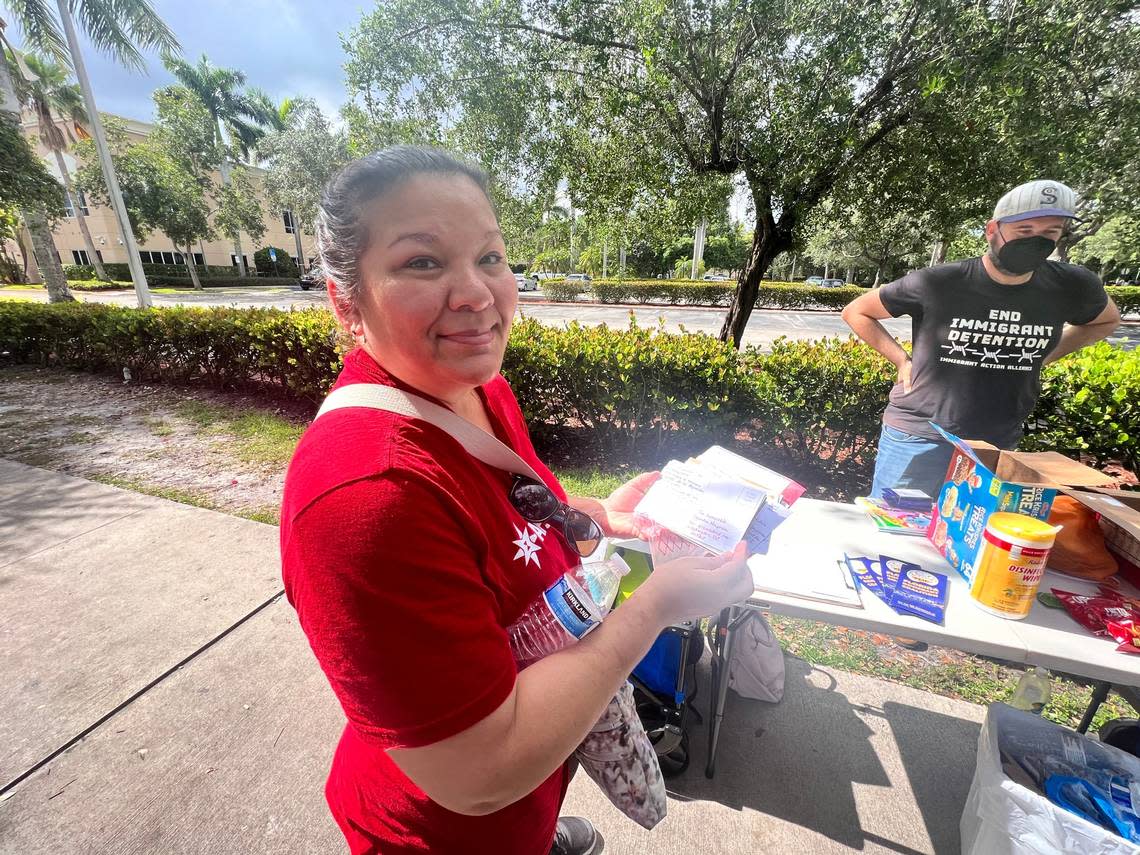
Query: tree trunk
(43, 246)
(768, 241)
(24, 241)
(193, 268)
(238, 254)
(878, 273)
(297, 238)
(89, 244)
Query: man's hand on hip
(904, 375)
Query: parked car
(709, 277)
(526, 283)
(314, 277)
(833, 283)
(814, 280)
(579, 277)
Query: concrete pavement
(161, 698)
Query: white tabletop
(820, 531)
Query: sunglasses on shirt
(536, 503)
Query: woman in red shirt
(406, 559)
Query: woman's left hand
(615, 514)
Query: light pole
(113, 191)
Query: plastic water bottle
(567, 610)
(1033, 691)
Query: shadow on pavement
(930, 742)
(796, 760)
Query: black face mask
(1024, 255)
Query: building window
(69, 207)
(296, 260)
(144, 256)
(199, 260)
(287, 218)
(81, 257)
(179, 258)
(233, 260)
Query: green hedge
(1090, 403)
(697, 292)
(284, 266)
(1127, 298)
(772, 295)
(231, 281)
(122, 272)
(630, 388)
(818, 402)
(298, 352)
(822, 400)
(97, 285)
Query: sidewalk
(157, 633)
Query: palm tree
(121, 28)
(241, 116)
(276, 116)
(58, 108)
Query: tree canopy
(920, 105)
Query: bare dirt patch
(186, 444)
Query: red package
(1127, 632)
(1095, 612)
(1110, 590)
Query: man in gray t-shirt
(981, 330)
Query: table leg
(1099, 696)
(725, 633)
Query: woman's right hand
(695, 587)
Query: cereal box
(982, 480)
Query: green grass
(158, 427)
(973, 679)
(20, 287)
(268, 514)
(258, 436)
(185, 497)
(591, 482)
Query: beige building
(157, 248)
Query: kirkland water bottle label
(571, 607)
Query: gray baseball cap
(1041, 198)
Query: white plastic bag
(1002, 817)
(757, 667)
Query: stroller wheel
(666, 739)
(677, 760)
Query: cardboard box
(983, 480)
(1119, 512)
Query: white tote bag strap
(477, 442)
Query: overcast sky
(286, 47)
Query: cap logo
(1049, 195)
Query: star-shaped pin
(528, 546)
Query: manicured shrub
(1090, 404)
(772, 295)
(562, 291)
(629, 387)
(283, 266)
(823, 400)
(818, 402)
